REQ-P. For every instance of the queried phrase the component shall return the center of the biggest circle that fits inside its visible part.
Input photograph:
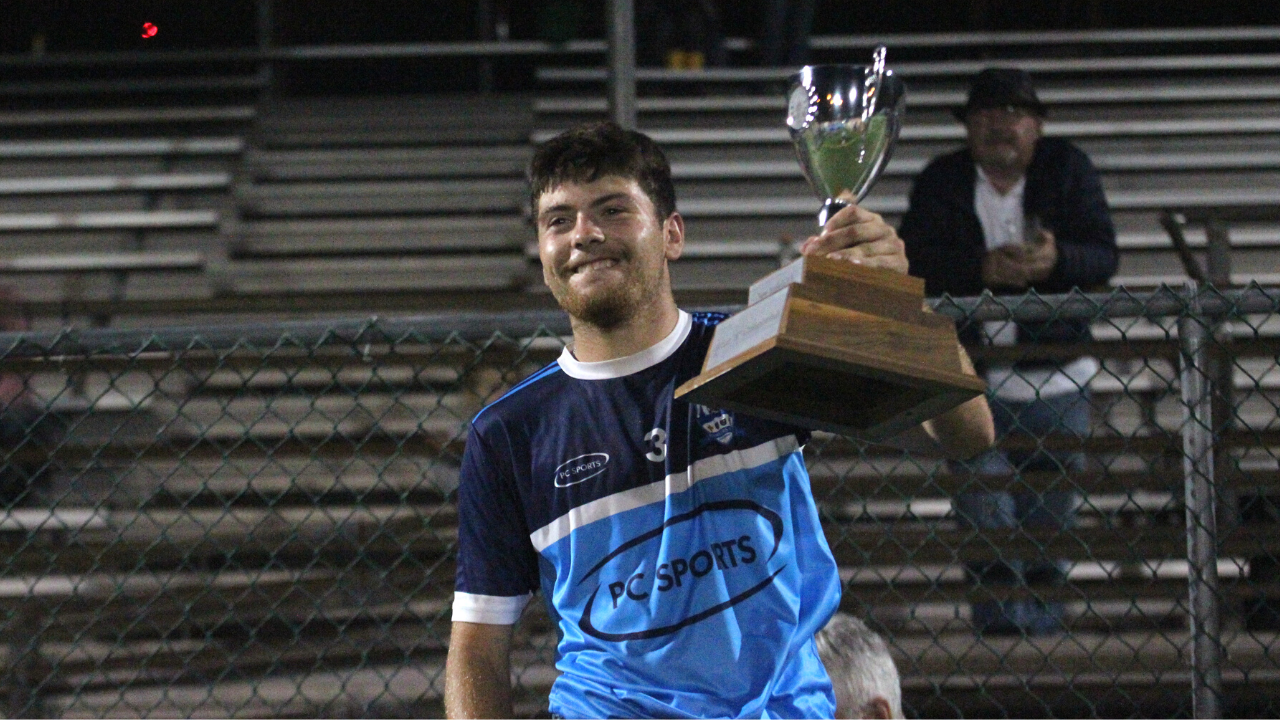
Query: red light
(149, 30)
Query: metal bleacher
(112, 190)
(414, 197)
(212, 200)
(1174, 121)
(281, 204)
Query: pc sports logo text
(580, 469)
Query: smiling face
(1003, 139)
(604, 250)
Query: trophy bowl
(844, 121)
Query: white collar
(1016, 191)
(631, 364)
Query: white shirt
(1003, 223)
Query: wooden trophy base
(830, 345)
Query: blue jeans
(1060, 415)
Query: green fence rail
(257, 520)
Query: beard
(1001, 149)
(608, 308)
(1003, 155)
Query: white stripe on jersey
(488, 609)
(703, 469)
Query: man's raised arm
(477, 676)
(964, 430)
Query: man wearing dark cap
(1015, 211)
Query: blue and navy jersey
(677, 546)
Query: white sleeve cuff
(488, 609)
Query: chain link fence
(258, 520)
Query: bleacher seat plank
(61, 520)
(171, 538)
(167, 664)
(106, 220)
(348, 198)
(174, 603)
(114, 183)
(349, 413)
(364, 236)
(1185, 127)
(210, 484)
(383, 378)
(1119, 200)
(1166, 694)
(103, 262)
(892, 591)
(906, 543)
(1054, 97)
(449, 272)
(1129, 37)
(911, 166)
(160, 600)
(1052, 657)
(958, 69)
(112, 147)
(396, 120)
(834, 481)
(388, 163)
(377, 689)
(45, 118)
(429, 440)
(130, 86)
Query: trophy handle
(873, 82)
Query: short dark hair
(589, 152)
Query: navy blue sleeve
(495, 555)
(938, 232)
(1071, 200)
(1087, 255)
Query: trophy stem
(830, 207)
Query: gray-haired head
(861, 668)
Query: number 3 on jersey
(657, 439)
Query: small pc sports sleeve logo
(580, 469)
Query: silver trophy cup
(844, 120)
(829, 344)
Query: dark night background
(56, 26)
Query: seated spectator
(1016, 211)
(783, 38)
(679, 34)
(861, 669)
(22, 438)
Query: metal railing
(258, 519)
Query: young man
(677, 547)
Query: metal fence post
(1202, 528)
(484, 33)
(622, 63)
(265, 29)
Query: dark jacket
(944, 240)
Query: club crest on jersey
(717, 424)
